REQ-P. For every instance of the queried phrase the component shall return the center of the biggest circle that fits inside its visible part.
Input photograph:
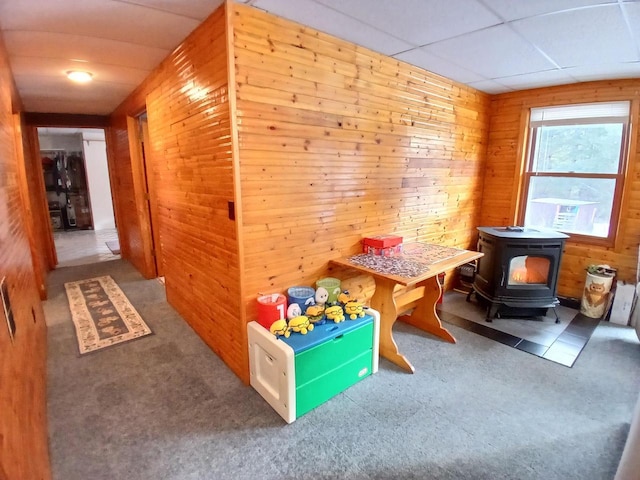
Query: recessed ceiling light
(79, 76)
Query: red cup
(271, 308)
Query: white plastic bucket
(595, 297)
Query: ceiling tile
(537, 79)
(329, 21)
(632, 10)
(90, 49)
(44, 84)
(418, 22)
(49, 67)
(94, 99)
(435, 64)
(492, 53)
(510, 10)
(490, 86)
(588, 73)
(581, 37)
(196, 9)
(48, 104)
(98, 18)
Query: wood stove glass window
(528, 270)
(574, 177)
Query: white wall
(95, 154)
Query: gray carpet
(166, 407)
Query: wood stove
(518, 274)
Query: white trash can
(597, 287)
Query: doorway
(78, 191)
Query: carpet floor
(168, 408)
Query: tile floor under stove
(559, 342)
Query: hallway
(83, 247)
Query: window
(575, 170)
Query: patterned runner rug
(102, 314)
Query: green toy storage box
(296, 374)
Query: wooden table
(418, 266)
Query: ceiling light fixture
(79, 76)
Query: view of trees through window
(575, 201)
(578, 148)
(574, 173)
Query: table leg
(383, 302)
(424, 316)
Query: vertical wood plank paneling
(507, 144)
(191, 165)
(23, 427)
(37, 219)
(337, 143)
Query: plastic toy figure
(335, 313)
(354, 310)
(293, 311)
(322, 295)
(280, 327)
(345, 297)
(301, 324)
(315, 314)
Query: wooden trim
(519, 187)
(151, 191)
(66, 120)
(235, 157)
(115, 192)
(629, 167)
(29, 214)
(139, 187)
(49, 244)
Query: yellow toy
(301, 324)
(335, 313)
(344, 297)
(315, 314)
(354, 309)
(280, 327)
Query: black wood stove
(518, 274)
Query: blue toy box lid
(322, 333)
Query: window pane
(573, 205)
(578, 148)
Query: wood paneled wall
(502, 177)
(37, 219)
(336, 143)
(191, 170)
(23, 426)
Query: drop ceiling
(492, 45)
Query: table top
(417, 262)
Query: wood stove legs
(492, 311)
(493, 308)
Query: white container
(595, 297)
